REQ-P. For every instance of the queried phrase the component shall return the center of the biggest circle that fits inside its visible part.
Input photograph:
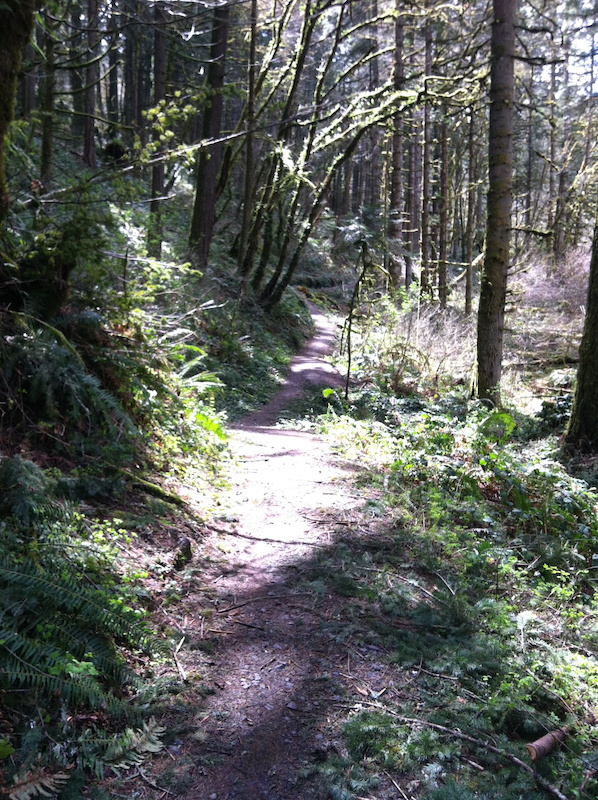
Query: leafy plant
(65, 626)
(58, 637)
(119, 751)
(36, 781)
(51, 395)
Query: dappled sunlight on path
(284, 481)
(278, 668)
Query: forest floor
(269, 683)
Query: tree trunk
(208, 163)
(75, 72)
(374, 175)
(131, 68)
(91, 80)
(47, 104)
(29, 82)
(16, 25)
(395, 210)
(113, 66)
(500, 176)
(249, 139)
(426, 284)
(154, 233)
(269, 301)
(412, 233)
(560, 214)
(530, 157)
(582, 432)
(471, 212)
(443, 213)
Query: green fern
(59, 637)
(24, 490)
(49, 389)
(36, 781)
(120, 751)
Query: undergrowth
(250, 351)
(68, 628)
(475, 577)
(482, 592)
(105, 396)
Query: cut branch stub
(546, 744)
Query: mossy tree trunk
(395, 221)
(582, 432)
(209, 159)
(491, 312)
(16, 24)
(471, 208)
(154, 233)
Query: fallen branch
(541, 782)
(546, 744)
(396, 785)
(152, 488)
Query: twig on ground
(248, 625)
(181, 671)
(541, 781)
(396, 785)
(152, 784)
(259, 600)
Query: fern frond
(132, 746)
(35, 782)
(70, 596)
(82, 642)
(120, 751)
(74, 692)
(24, 490)
(58, 636)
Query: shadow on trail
(303, 633)
(294, 655)
(284, 662)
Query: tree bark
(47, 104)
(91, 80)
(28, 100)
(75, 73)
(561, 211)
(426, 284)
(249, 139)
(491, 310)
(16, 25)
(134, 69)
(412, 233)
(114, 68)
(443, 213)
(154, 234)
(209, 160)
(528, 215)
(395, 210)
(582, 432)
(471, 209)
(374, 175)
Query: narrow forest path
(279, 677)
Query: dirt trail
(277, 673)
(285, 477)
